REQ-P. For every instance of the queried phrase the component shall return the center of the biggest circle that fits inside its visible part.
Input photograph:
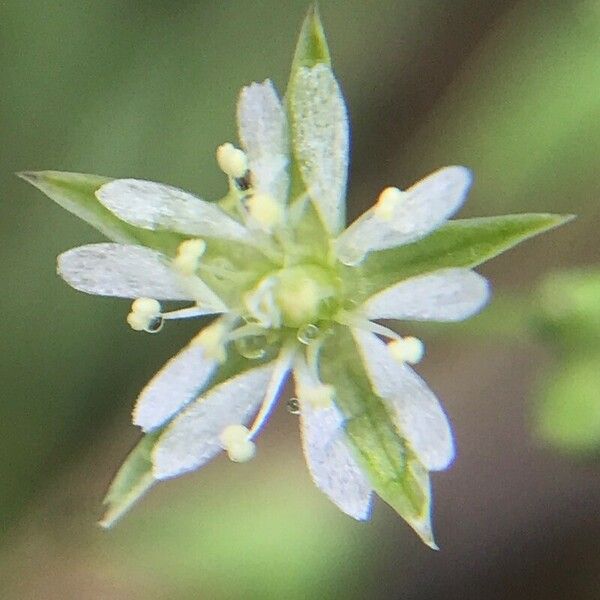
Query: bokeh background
(147, 89)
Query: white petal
(418, 414)
(192, 439)
(263, 133)
(424, 207)
(444, 295)
(157, 206)
(176, 384)
(120, 270)
(330, 462)
(320, 140)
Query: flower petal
(157, 206)
(418, 414)
(320, 140)
(420, 210)
(444, 295)
(192, 438)
(330, 462)
(263, 131)
(177, 383)
(121, 270)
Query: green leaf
(76, 192)
(568, 406)
(312, 48)
(394, 472)
(131, 482)
(460, 243)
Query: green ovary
(303, 293)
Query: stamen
(235, 440)
(344, 317)
(309, 387)
(188, 256)
(145, 315)
(387, 202)
(187, 313)
(407, 350)
(312, 354)
(232, 161)
(261, 304)
(265, 211)
(283, 365)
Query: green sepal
(311, 48)
(461, 243)
(76, 192)
(230, 266)
(134, 478)
(132, 481)
(391, 467)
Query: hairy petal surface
(121, 270)
(332, 466)
(320, 136)
(444, 295)
(330, 461)
(263, 131)
(418, 414)
(420, 210)
(156, 206)
(175, 385)
(192, 438)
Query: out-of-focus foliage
(568, 411)
(568, 401)
(193, 550)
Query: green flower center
(293, 297)
(304, 294)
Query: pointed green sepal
(131, 482)
(461, 243)
(76, 192)
(312, 47)
(391, 467)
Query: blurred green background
(148, 89)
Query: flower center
(292, 297)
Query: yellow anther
(188, 256)
(136, 321)
(407, 350)
(144, 312)
(265, 211)
(232, 161)
(386, 203)
(235, 440)
(146, 306)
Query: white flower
(280, 305)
